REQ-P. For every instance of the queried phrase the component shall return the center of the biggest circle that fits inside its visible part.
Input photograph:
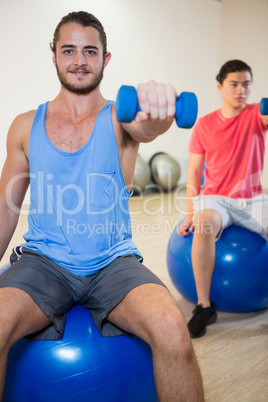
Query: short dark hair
(82, 18)
(232, 66)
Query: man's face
(79, 58)
(236, 89)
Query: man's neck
(228, 111)
(76, 106)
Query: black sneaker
(201, 318)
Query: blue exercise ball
(82, 366)
(240, 278)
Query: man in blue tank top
(79, 161)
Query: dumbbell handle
(127, 107)
(264, 107)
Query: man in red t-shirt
(231, 143)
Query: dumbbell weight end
(264, 107)
(127, 107)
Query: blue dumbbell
(127, 107)
(264, 107)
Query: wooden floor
(233, 355)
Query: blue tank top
(79, 214)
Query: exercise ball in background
(142, 175)
(165, 171)
(82, 366)
(240, 278)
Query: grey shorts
(252, 214)
(56, 290)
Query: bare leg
(19, 316)
(150, 312)
(207, 227)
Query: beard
(83, 89)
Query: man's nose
(80, 59)
(240, 88)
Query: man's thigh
(143, 309)
(219, 204)
(19, 314)
(37, 277)
(252, 214)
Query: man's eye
(68, 51)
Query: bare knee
(171, 336)
(5, 334)
(207, 223)
(8, 330)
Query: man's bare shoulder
(19, 133)
(24, 121)
(21, 126)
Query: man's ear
(219, 86)
(54, 59)
(107, 58)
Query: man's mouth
(80, 73)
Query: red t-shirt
(234, 152)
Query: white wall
(176, 41)
(244, 35)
